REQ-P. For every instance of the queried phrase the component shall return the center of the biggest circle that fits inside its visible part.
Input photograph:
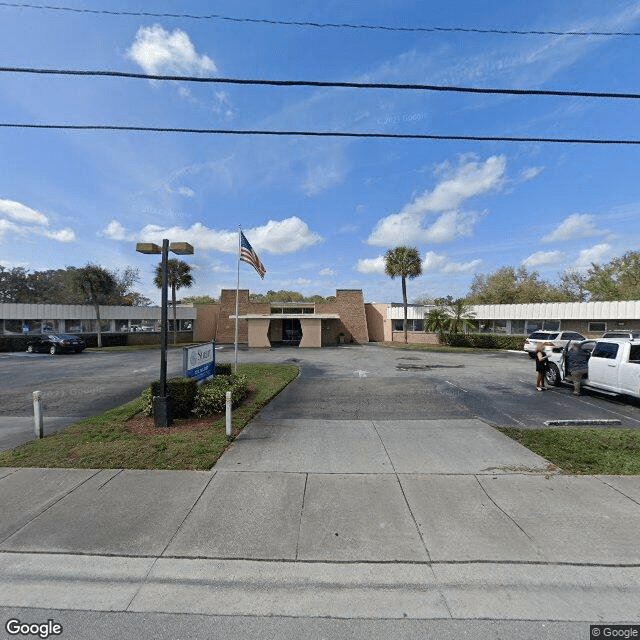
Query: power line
(320, 83)
(318, 25)
(324, 134)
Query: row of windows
(37, 327)
(510, 327)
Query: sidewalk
(419, 519)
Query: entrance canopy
(267, 328)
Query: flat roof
(288, 316)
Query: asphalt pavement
(360, 515)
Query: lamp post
(161, 403)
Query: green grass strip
(584, 451)
(103, 441)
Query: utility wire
(319, 83)
(318, 25)
(324, 134)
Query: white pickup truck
(613, 365)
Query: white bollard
(38, 425)
(228, 413)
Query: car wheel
(30, 349)
(553, 375)
(53, 350)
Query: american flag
(247, 254)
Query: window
(634, 354)
(605, 350)
(412, 325)
(597, 327)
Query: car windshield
(543, 336)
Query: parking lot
(497, 387)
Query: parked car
(558, 357)
(558, 338)
(613, 366)
(56, 343)
(632, 335)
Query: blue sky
(320, 212)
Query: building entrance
(291, 331)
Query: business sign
(199, 362)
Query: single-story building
(17, 319)
(346, 319)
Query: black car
(56, 343)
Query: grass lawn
(109, 441)
(584, 451)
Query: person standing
(576, 361)
(542, 366)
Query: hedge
(187, 399)
(211, 396)
(484, 341)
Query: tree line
(618, 279)
(68, 286)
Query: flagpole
(235, 344)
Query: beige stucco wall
(258, 330)
(311, 332)
(378, 324)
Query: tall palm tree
(96, 285)
(404, 262)
(179, 275)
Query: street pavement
(439, 523)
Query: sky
(320, 212)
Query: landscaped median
(125, 438)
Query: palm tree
(437, 321)
(460, 317)
(179, 275)
(95, 285)
(404, 262)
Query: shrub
(182, 392)
(211, 397)
(484, 341)
(223, 369)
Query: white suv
(558, 338)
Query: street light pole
(162, 402)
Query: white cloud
(400, 228)
(21, 213)
(64, 235)
(530, 173)
(371, 265)
(158, 51)
(597, 253)
(433, 262)
(116, 231)
(543, 258)
(186, 192)
(438, 262)
(470, 179)
(278, 237)
(39, 222)
(462, 267)
(328, 272)
(578, 225)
